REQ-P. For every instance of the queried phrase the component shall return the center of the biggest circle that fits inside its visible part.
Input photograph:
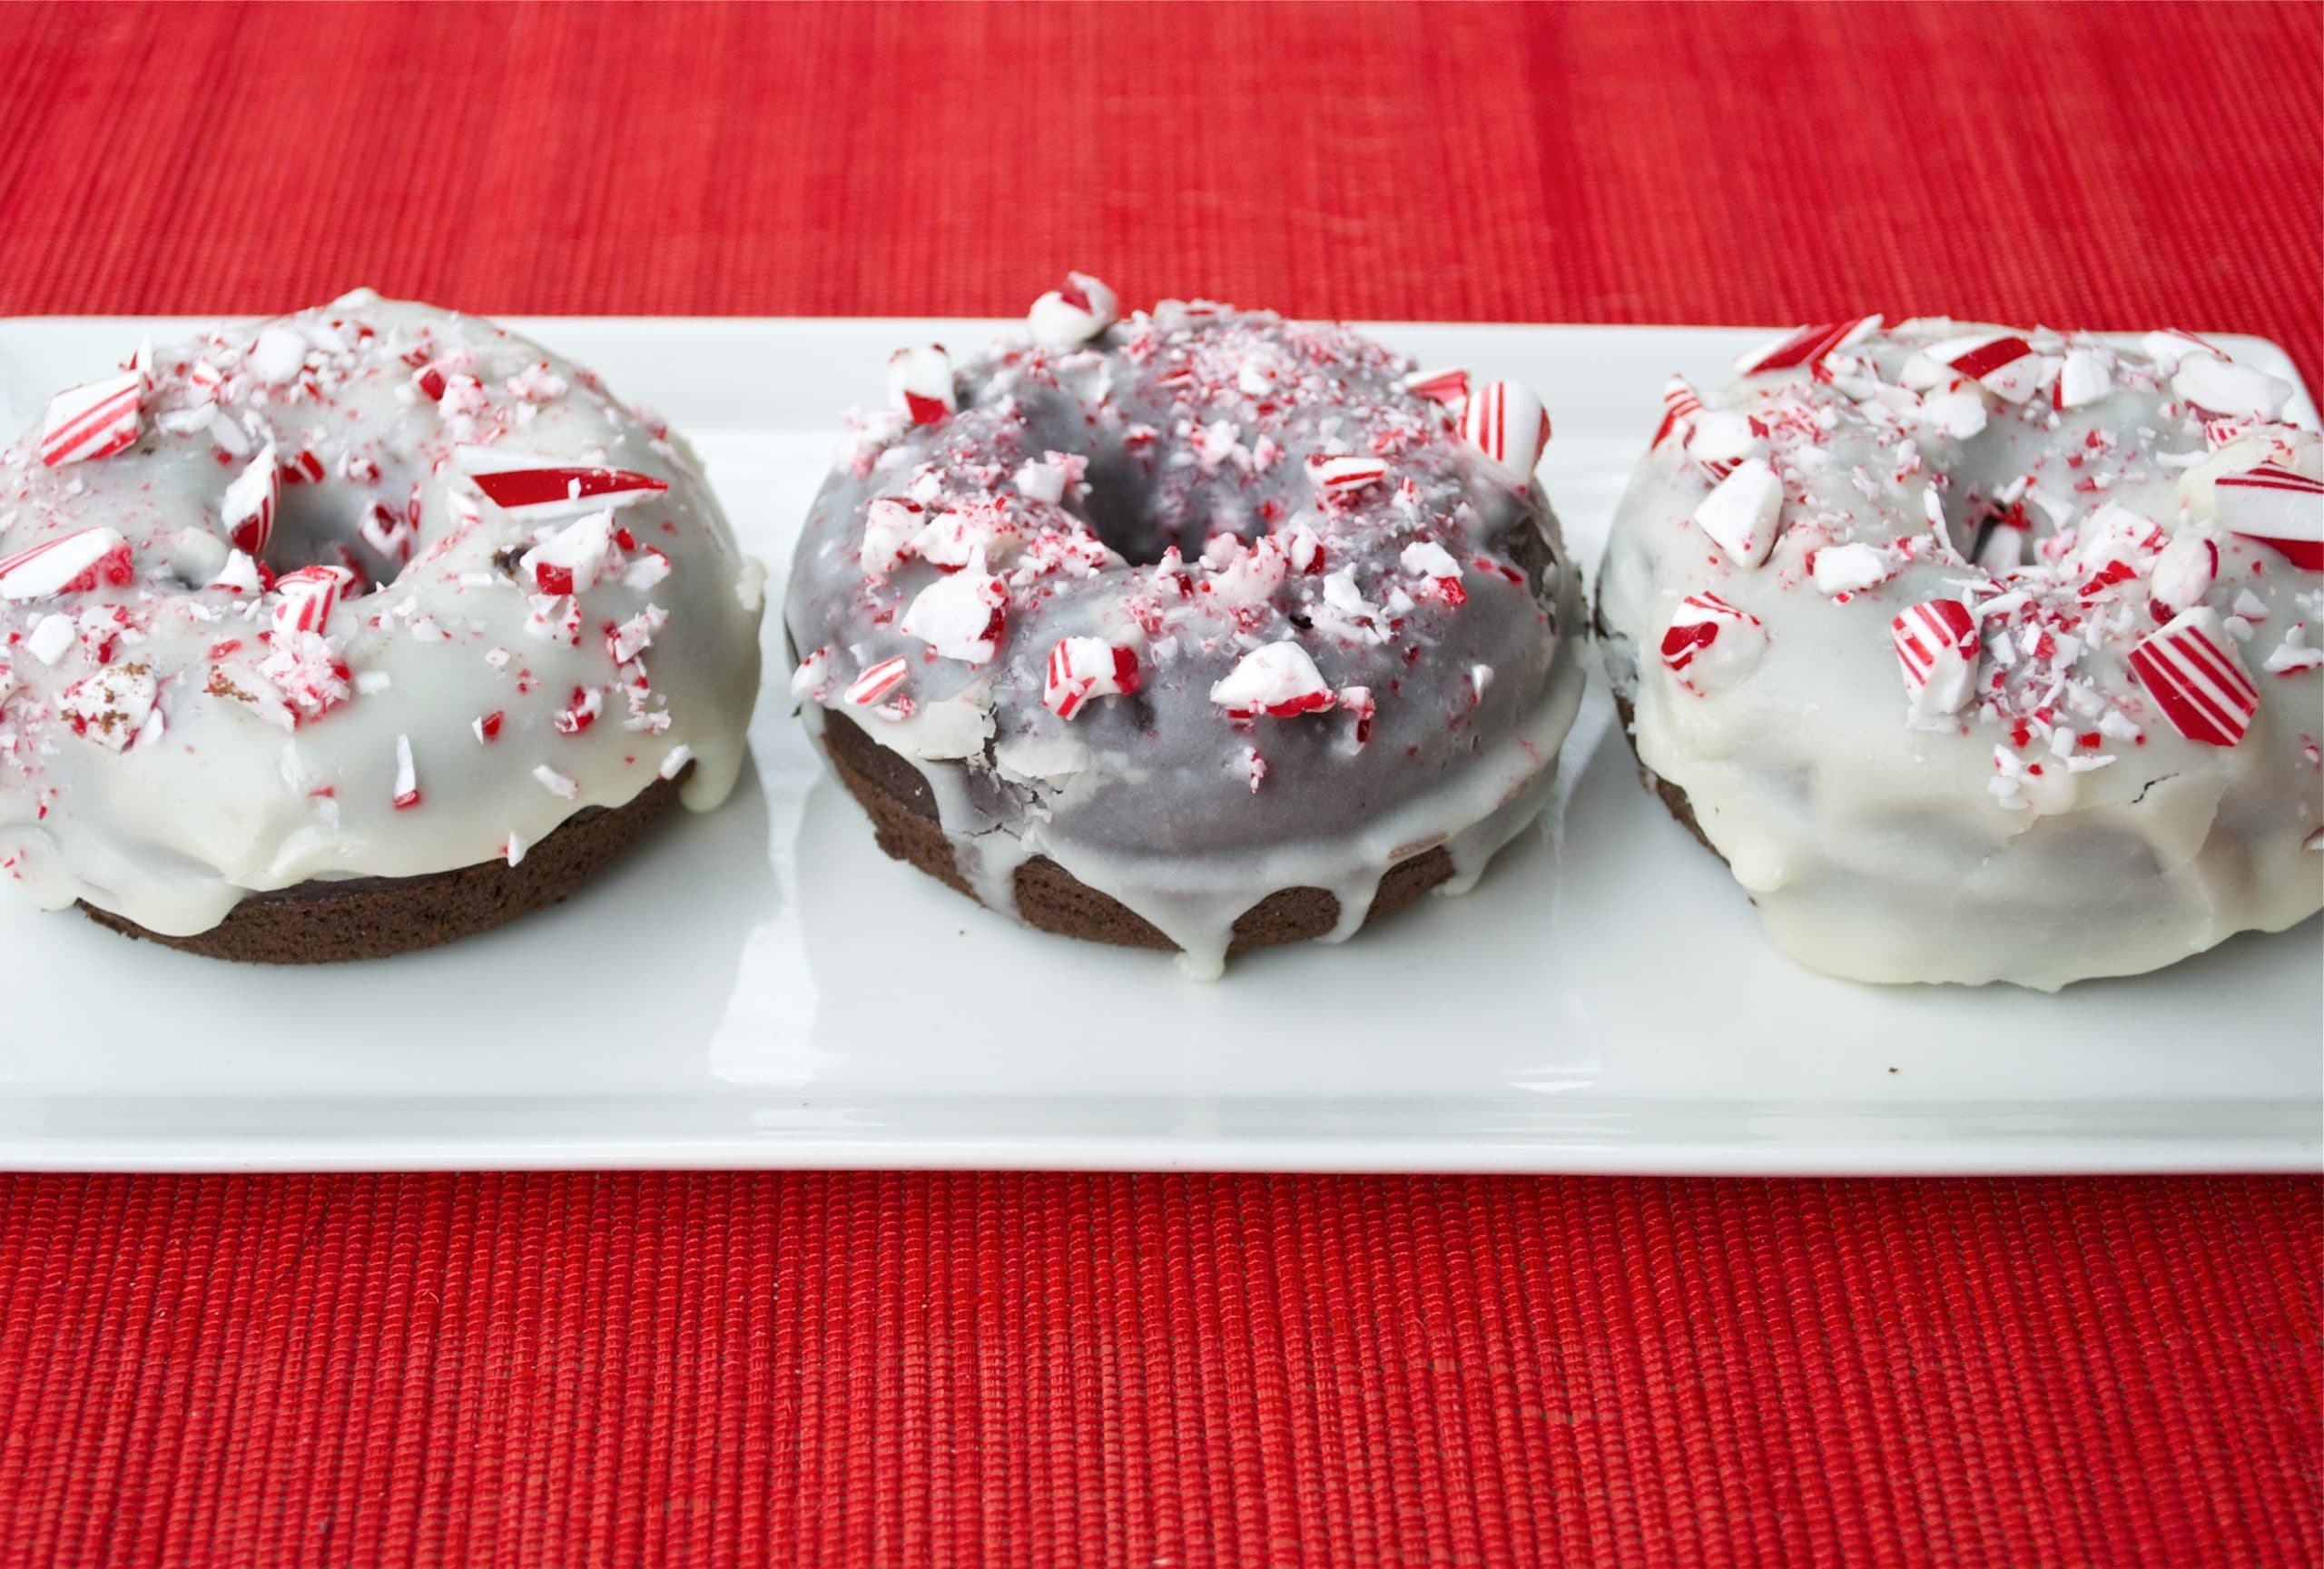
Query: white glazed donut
(375, 591)
(1982, 654)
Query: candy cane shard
(308, 597)
(574, 559)
(2004, 363)
(1804, 347)
(962, 615)
(1450, 388)
(2278, 507)
(542, 487)
(1071, 315)
(2183, 574)
(1506, 422)
(1680, 405)
(878, 682)
(406, 785)
(69, 564)
(247, 508)
(93, 421)
(1743, 511)
(1279, 680)
(1080, 668)
(1710, 642)
(2220, 386)
(2189, 667)
(1338, 478)
(920, 384)
(2086, 376)
(1936, 650)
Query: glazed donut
(1984, 654)
(1202, 629)
(356, 631)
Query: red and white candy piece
(1338, 478)
(1506, 422)
(308, 597)
(919, 383)
(2004, 363)
(2189, 667)
(92, 421)
(878, 682)
(1710, 642)
(539, 487)
(406, 789)
(1680, 404)
(68, 564)
(1071, 316)
(1743, 511)
(1427, 559)
(247, 508)
(1450, 388)
(2277, 507)
(1278, 680)
(1080, 668)
(963, 616)
(573, 560)
(1937, 648)
(1804, 347)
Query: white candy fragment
(1710, 643)
(920, 384)
(962, 615)
(574, 559)
(278, 355)
(2087, 375)
(1278, 680)
(1741, 514)
(2221, 386)
(1723, 437)
(112, 706)
(1848, 568)
(890, 523)
(2184, 572)
(1071, 316)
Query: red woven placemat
(1014, 1370)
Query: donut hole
(324, 526)
(1121, 509)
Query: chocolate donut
(1202, 629)
(314, 635)
(1982, 654)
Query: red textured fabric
(865, 1370)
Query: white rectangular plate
(1604, 1001)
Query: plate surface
(1603, 1001)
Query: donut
(354, 632)
(1982, 654)
(1202, 629)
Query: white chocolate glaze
(171, 740)
(2041, 800)
(1199, 606)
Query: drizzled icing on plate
(1199, 605)
(371, 590)
(1985, 654)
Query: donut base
(902, 808)
(326, 923)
